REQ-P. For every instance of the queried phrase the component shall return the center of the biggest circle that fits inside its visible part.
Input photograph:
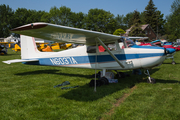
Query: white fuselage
(131, 58)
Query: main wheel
(173, 62)
(104, 81)
(153, 81)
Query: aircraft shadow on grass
(50, 71)
(170, 63)
(167, 81)
(86, 93)
(9, 55)
(81, 93)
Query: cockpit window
(129, 42)
(110, 46)
(154, 45)
(91, 49)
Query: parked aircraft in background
(4, 46)
(157, 43)
(87, 56)
(16, 48)
(60, 45)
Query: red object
(170, 46)
(101, 49)
(157, 43)
(145, 44)
(165, 46)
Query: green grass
(27, 92)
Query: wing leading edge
(63, 33)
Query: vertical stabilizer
(28, 47)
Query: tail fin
(28, 47)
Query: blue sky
(121, 7)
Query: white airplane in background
(88, 56)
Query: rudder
(28, 47)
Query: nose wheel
(173, 62)
(150, 79)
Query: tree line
(96, 20)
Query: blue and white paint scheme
(128, 56)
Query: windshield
(129, 42)
(154, 45)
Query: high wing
(65, 34)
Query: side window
(110, 46)
(128, 42)
(92, 49)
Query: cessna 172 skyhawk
(128, 56)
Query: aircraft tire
(104, 80)
(153, 81)
(173, 62)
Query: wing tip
(6, 62)
(30, 26)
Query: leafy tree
(137, 31)
(23, 16)
(150, 15)
(154, 18)
(46, 17)
(142, 17)
(77, 20)
(136, 28)
(136, 18)
(175, 6)
(127, 20)
(100, 20)
(35, 16)
(65, 14)
(6, 15)
(172, 26)
(54, 15)
(120, 23)
(60, 16)
(160, 23)
(119, 32)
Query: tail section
(28, 48)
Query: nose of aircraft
(170, 50)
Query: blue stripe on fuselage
(91, 59)
(146, 47)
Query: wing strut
(95, 69)
(112, 55)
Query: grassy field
(27, 92)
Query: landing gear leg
(150, 79)
(173, 62)
(104, 72)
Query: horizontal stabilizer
(19, 60)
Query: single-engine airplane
(87, 56)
